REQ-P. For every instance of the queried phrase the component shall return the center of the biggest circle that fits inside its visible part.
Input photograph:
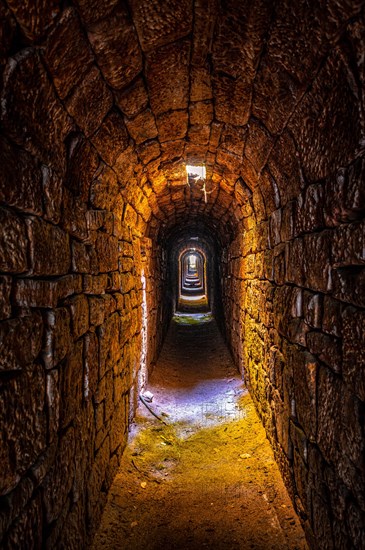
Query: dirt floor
(207, 478)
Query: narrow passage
(207, 478)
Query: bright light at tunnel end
(195, 172)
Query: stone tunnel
(104, 105)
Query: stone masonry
(103, 103)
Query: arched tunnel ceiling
(155, 85)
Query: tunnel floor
(204, 475)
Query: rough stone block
(350, 437)
(199, 134)
(49, 248)
(58, 336)
(201, 87)
(97, 310)
(167, 72)
(79, 315)
(68, 68)
(89, 102)
(309, 210)
(13, 243)
(107, 252)
(111, 139)
(95, 501)
(85, 437)
(118, 53)
(134, 99)
(105, 189)
(53, 402)
(52, 190)
(305, 369)
(119, 301)
(130, 216)
(109, 344)
(126, 265)
(35, 17)
(349, 285)
(232, 99)
(74, 531)
(82, 164)
(353, 349)
(96, 220)
(8, 31)
(229, 163)
(332, 316)
(21, 341)
(313, 309)
(156, 28)
(142, 127)
(114, 281)
(20, 179)
(74, 217)
(127, 282)
(325, 148)
(84, 258)
(326, 348)
(356, 522)
(58, 483)
(148, 151)
(301, 482)
(281, 415)
(172, 125)
(93, 10)
(14, 502)
(46, 293)
(32, 115)
(317, 261)
(95, 284)
(99, 397)
(201, 112)
(258, 145)
(5, 289)
(330, 389)
(21, 405)
(284, 166)
(91, 365)
(109, 404)
(276, 94)
(348, 245)
(275, 228)
(119, 434)
(71, 384)
(321, 524)
(126, 167)
(28, 527)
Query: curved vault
(103, 103)
(154, 88)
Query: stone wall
(293, 284)
(102, 105)
(75, 269)
(71, 352)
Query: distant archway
(192, 284)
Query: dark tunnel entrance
(194, 267)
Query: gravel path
(207, 478)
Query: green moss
(192, 318)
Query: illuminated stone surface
(102, 106)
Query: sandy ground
(206, 478)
